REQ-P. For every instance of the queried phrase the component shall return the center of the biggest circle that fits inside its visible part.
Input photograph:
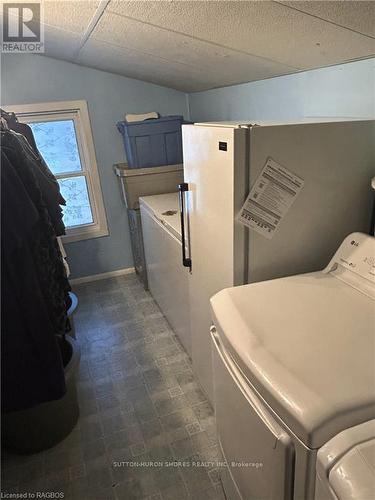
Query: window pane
(57, 142)
(77, 210)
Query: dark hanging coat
(34, 285)
(46, 180)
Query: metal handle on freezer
(182, 188)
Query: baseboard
(102, 276)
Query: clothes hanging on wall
(34, 285)
(21, 128)
(46, 180)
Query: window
(63, 135)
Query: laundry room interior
(188, 249)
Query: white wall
(28, 78)
(346, 90)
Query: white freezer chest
(167, 279)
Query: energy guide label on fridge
(270, 198)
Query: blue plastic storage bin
(152, 143)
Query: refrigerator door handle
(182, 188)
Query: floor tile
(57, 479)
(200, 441)
(151, 429)
(179, 418)
(139, 404)
(93, 449)
(160, 452)
(176, 434)
(175, 391)
(170, 405)
(182, 448)
(100, 494)
(167, 477)
(109, 401)
(99, 477)
(124, 438)
(176, 491)
(77, 471)
(212, 455)
(196, 479)
(213, 493)
(113, 423)
(129, 490)
(195, 396)
(91, 429)
(138, 449)
(193, 428)
(203, 410)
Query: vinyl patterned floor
(139, 404)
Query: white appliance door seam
(280, 443)
(241, 383)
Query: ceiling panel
(69, 14)
(197, 45)
(61, 44)
(124, 61)
(358, 16)
(263, 28)
(226, 65)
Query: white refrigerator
(331, 165)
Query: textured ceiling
(197, 45)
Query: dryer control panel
(357, 254)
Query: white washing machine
(346, 465)
(293, 367)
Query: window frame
(78, 112)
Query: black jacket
(34, 284)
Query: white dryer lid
(165, 208)
(306, 344)
(346, 464)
